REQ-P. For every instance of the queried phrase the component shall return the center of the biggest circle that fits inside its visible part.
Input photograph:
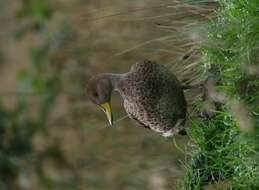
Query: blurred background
(51, 136)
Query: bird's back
(153, 96)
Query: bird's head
(99, 90)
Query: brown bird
(152, 96)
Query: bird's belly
(139, 112)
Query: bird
(152, 96)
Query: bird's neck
(115, 79)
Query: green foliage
(222, 152)
(39, 10)
(15, 135)
(34, 15)
(41, 81)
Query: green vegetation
(40, 82)
(225, 149)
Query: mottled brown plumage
(152, 96)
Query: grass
(223, 150)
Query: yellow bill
(107, 110)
